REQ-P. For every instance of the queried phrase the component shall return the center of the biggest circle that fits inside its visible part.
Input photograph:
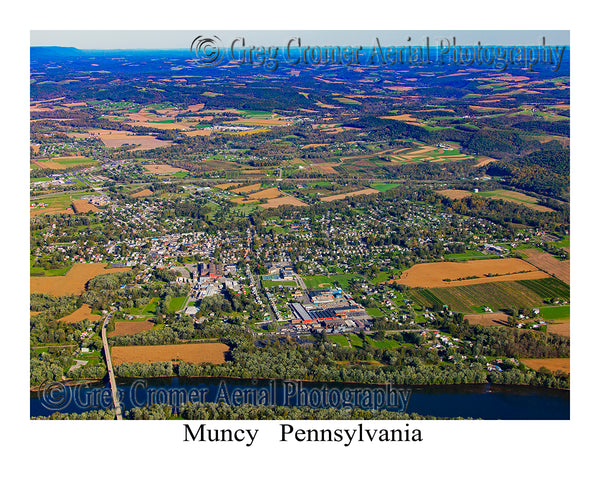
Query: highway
(109, 367)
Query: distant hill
(54, 52)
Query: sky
(181, 39)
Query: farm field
(73, 282)
(188, 352)
(131, 328)
(144, 142)
(488, 319)
(447, 274)
(516, 197)
(159, 169)
(82, 206)
(497, 296)
(365, 191)
(266, 193)
(83, 312)
(142, 193)
(563, 329)
(555, 314)
(455, 194)
(552, 364)
(283, 200)
(560, 269)
(62, 163)
(248, 188)
(384, 187)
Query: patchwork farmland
(497, 295)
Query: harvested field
(131, 328)
(325, 168)
(242, 201)
(552, 364)
(560, 269)
(455, 194)
(310, 145)
(485, 271)
(73, 282)
(516, 197)
(225, 186)
(248, 189)
(284, 200)
(143, 193)
(189, 352)
(83, 312)
(118, 139)
(82, 206)
(267, 193)
(563, 329)
(162, 169)
(50, 211)
(488, 319)
(406, 118)
(365, 191)
(49, 164)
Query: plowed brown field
(560, 269)
(73, 282)
(83, 312)
(501, 270)
(552, 364)
(188, 352)
(131, 328)
(366, 191)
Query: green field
(341, 340)
(148, 309)
(565, 242)
(383, 344)
(317, 282)
(57, 272)
(384, 187)
(374, 312)
(497, 295)
(176, 303)
(468, 255)
(556, 313)
(355, 340)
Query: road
(109, 367)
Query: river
(485, 401)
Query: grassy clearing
(176, 303)
(375, 312)
(384, 344)
(341, 340)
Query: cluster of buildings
(330, 309)
(207, 279)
